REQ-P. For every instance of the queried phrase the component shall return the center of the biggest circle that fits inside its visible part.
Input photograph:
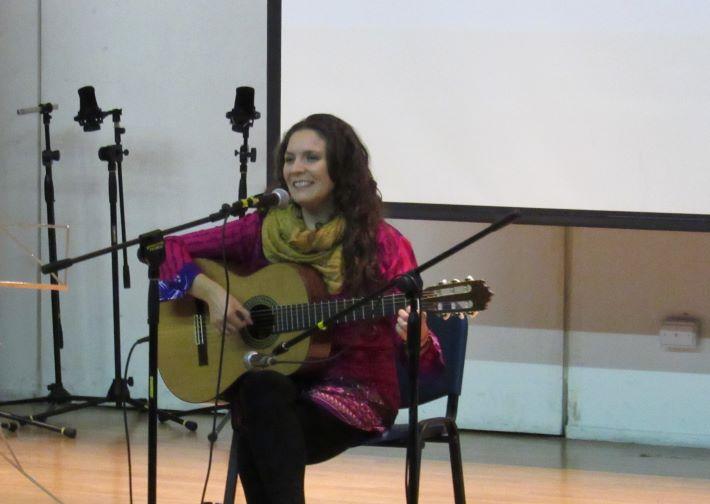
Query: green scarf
(286, 238)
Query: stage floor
(499, 468)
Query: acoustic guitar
(283, 300)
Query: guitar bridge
(200, 330)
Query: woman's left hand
(403, 317)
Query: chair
(452, 334)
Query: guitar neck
(298, 317)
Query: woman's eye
(313, 158)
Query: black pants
(279, 433)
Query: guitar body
(283, 300)
(189, 345)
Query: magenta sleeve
(242, 243)
(397, 257)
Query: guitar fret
(301, 316)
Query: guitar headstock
(457, 297)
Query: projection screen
(585, 108)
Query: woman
(334, 224)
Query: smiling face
(305, 171)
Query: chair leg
(230, 488)
(456, 463)
(412, 484)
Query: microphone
(90, 116)
(42, 108)
(277, 198)
(243, 114)
(257, 360)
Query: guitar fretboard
(299, 317)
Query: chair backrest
(452, 334)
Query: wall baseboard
(691, 440)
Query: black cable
(213, 438)
(125, 419)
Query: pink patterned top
(360, 386)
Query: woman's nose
(298, 166)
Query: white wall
(20, 178)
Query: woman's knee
(262, 390)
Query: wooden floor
(498, 468)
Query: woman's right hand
(215, 296)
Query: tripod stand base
(24, 420)
(117, 393)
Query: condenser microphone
(278, 198)
(254, 360)
(243, 114)
(42, 108)
(90, 116)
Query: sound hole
(261, 334)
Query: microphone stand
(245, 155)
(118, 392)
(241, 120)
(113, 156)
(151, 252)
(242, 117)
(410, 284)
(57, 392)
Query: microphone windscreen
(244, 101)
(90, 115)
(283, 197)
(87, 102)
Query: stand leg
(65, 431)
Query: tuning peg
(456, 280)
(470, 278)
(443, 281)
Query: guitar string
(314, 307)
(266, 314)
(397, 299)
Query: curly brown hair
(356, 196)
